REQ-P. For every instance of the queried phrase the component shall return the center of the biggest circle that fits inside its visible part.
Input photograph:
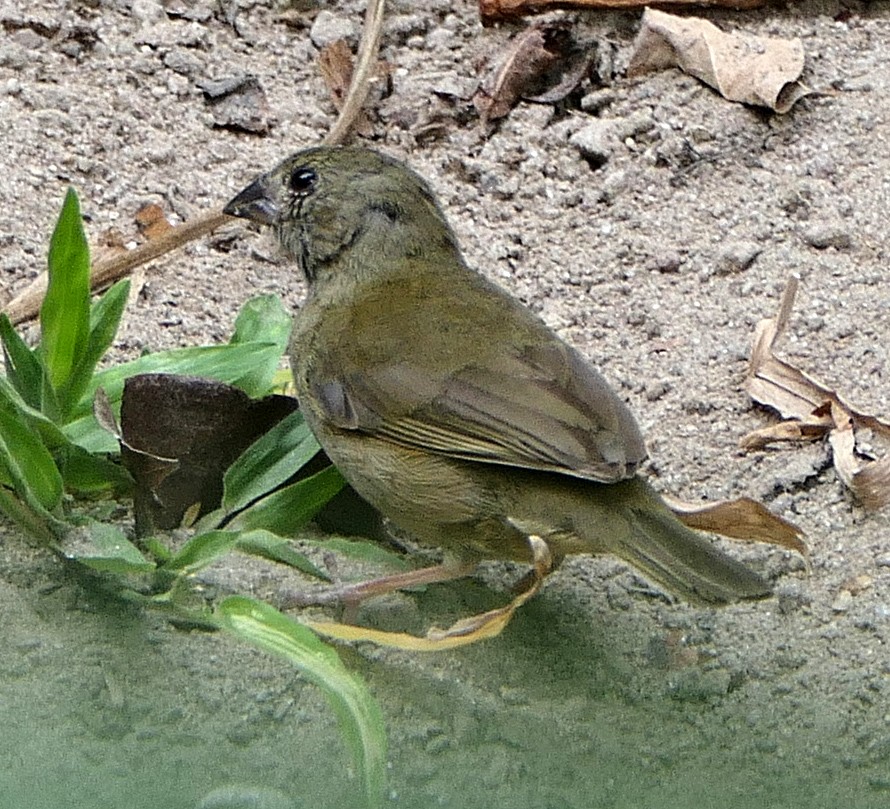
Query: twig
(105, 271)
(365, 66)
(492, 11)
(26, 305)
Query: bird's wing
(538, 406)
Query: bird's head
(336, 207)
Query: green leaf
(359, 715)
(158, 549)
(81, 471)
(26, 464)
(23, 367)
(65, 313)
(277, 549)
(105, 317)
(86, 473)
(49, 431)
(262, 319)
(27, 519)
(205, 548)
(268, 462)
(227, 363)
(286, 511)
(201, 550)
(104, 547)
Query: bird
(449, 405)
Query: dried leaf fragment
(151, 221)
(742, 518)
(544, 63)
(335, 63)
(753, 70)
(812, 410)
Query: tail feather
(630, 520)
(684, 562)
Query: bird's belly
(407, 485)
(441, 501)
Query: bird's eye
(302, 180)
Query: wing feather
(539, 407)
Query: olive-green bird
(444, 401)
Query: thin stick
(365, 65)
(497, 10)
(26, 305)
(105, 271)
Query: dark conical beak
(255, 203)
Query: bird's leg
(353, 594)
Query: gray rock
(148, 11)
(595, 142)
(828, 234)
(182, 61)
(737, 257)
(329, 27)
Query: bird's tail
(676, 557)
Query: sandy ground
(657, 265)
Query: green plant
(53, 450)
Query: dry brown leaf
(784, 431)
(743, 518)
(543, 63)
(462, 633)
(741, 67)
(811, 410)
(151, 221)
(335, 63)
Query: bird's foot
(351, 595)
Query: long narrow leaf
(91, 474)
(65, 313)
(205, 548)
(49, 431)
(286, 511)
(262, 319)
(27, 519)
(105, 317)
(267, 545)
(268, 462)
(26, 465)
(81, 471)
(201, 550)
(360, 718)
(23, 367)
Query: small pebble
(595, 142)
(737, 257)
(828, 235)
(329, 27)
(843, 601)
